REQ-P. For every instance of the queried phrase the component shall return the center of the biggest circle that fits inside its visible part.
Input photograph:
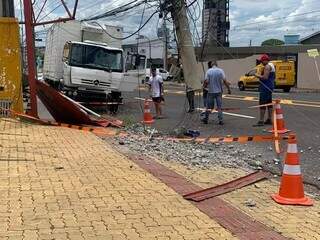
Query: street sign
(313, 52)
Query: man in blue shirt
(266, 88)
(215, 78)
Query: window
(96, 57)
(66, 51)
(252, 72)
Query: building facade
(311, 39)
(215, 23)
(153, 49)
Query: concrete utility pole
(189, 62)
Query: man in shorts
(266, 88)
(156, 91)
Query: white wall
(235, 68)
(157, 49)
(307, 73)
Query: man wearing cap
(266, 87)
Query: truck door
(135, 72)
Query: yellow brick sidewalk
(58, 183)
(292, 221)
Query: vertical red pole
(31, 55)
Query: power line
(134, 33)
(278, 18)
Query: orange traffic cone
(291, 188)
(147, 116)
(279, 119)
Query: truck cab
(91, 70)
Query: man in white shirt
(156, 91)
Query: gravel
(144, 140)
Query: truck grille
(5, 106)
(96, 83)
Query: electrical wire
(134, 33)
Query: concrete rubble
(143, 140)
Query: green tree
(272, 42)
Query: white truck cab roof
(100, 44)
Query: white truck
(82, 61)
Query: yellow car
(285, 76)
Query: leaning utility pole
(189, 62)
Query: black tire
(114, 97)
(241, 86)
(287, 89)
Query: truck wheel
(287, 89)
(241, 86)
(113, 97)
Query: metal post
(31, 55)
(165, 44)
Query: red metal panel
(226, 187)
(61, 109)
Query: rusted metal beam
(30, 55)
(226, 187)
(66, 8)
(75, 9)
(41, 9)
(52, 21)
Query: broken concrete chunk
(250, 203)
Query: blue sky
(254, 20)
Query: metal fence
(5, 106)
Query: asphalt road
(301, 113)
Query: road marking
(286, 101)
(228, 113)
(255, 99)
(238, 115)
(249, 98)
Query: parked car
(162, 72)
(285, 76)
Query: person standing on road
(266, 88)
(215, 78)
(190, 97)
(156, 91)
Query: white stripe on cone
(292, 169)
(278, 106)
(292, 148)
(279, 116)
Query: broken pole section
(189, 62)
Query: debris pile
(143, 140)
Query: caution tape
(227, 139)
(276, 134)
(96, 130)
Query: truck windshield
(96, 57)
